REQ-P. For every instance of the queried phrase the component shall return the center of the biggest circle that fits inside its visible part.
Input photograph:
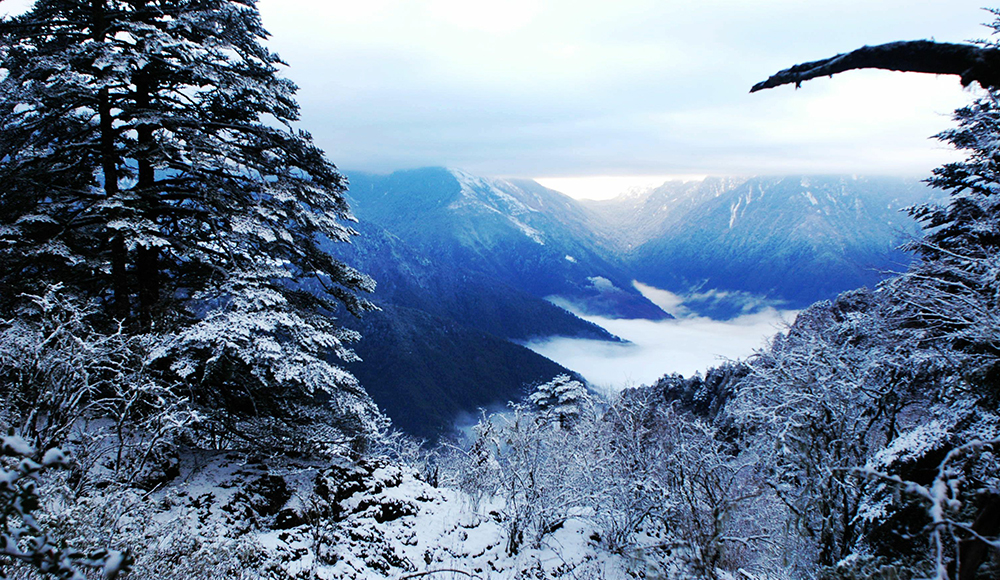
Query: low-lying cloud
(687, 344)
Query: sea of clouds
(687, 344)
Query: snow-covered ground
(362, 521)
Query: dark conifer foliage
(149, 160)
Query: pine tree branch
(970, 62)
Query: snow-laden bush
(842, 384)
(64, 381)
(654, 484)
(533, 467)
(24, 542)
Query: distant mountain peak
(498, 194)
(512, 229)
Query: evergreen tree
(953, 289)
(951, 298)
(149, 160)
(562, 401)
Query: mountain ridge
(794, 239)
(789, 240)
(532, 238)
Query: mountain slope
(795, 239)
(519, 233)
(643, 214)
(437, 348)
(424, 371)
(409, 279)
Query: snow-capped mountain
(794, 239)
(641, 214)
(513, 231)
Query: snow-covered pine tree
(562, 401)
(950, 299)
(149, 160)
(49, 157)
(953, 290)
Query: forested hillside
(794, 239)
(175, 364)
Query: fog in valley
(687, 344)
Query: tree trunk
(973, 551)
(147, 260)
(109, 166)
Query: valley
(224, 357)
(671, 278)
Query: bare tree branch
(970, 62)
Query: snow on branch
(943, 495)
(970, 62)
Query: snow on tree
(931, 500)
(22, 539)
(843, 384)
(950, 297)
(150, 160)
(64, 381)
(562, 400)
(953, 290)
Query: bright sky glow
(560, 88)
(608, 186)
(10, 7)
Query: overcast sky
(584, 89)
(571, 88)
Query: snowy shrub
(654, 484)
(180, 553)
(534, 462)
(66, 382)
(630, 467)
(520, 458)
(401, 449)
(57, 370)
(673, 489)
(170, 535)
(827, 397)
(719, 501)
(24, 541)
